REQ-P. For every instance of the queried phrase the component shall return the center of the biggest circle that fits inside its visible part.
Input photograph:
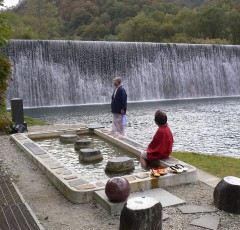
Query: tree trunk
(141, 213)
(227, 194)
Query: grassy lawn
(33, 121)
(216, 165)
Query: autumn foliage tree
(5, 68)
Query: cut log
(227, 194)
(89, 155)
(69, 138)
(120, 164)
(81, 144)
(141, 213)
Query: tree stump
(89, 155)
(141, 213)
(69, 138)
(120, 164)
(82, 144)
(227, 194)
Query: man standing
(118, 106)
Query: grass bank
(216, 165)
(6, 123)
(33, 121)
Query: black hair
(160, 118)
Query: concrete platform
(77, 190)
(164, 197)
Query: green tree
(41, 20)
(98, 29)
(20, 30)
(5, 66)
(211, 21)
(185, 22)
(234, 25)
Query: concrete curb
(207, 178)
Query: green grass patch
(6, 123)
(216, 165)
(33, 121)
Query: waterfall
(55, 73)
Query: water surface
(207, 126)
(92, 171)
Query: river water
(207, 126)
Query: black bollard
(17, 111)
(17, 116)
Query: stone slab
(142, 176)
(196, 209)
(67, 172)
(207, 221)
(70, 177)
(77, 182)
(60, 171)
(164, 197)
(165, 216)
(95, 126)
(100, 184)
(56, 166)
(85, 187)
(34, 148)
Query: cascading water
(55, 73)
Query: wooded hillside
(190, 21)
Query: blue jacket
(119, 101)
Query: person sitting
(161, 144)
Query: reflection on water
(208, 126)
(91, 172)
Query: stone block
(69, 138)
(89, 155)
(82, 144)
(120, 164)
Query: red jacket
(161, 144)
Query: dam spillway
(58, 73)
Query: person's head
(160, 118)
(117, 81)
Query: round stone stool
(117, 189)
(141, 213)
(227, 194)
(82, 144)
(89, 155)
(69, 138)
(120, 164)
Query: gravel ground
(55, 212)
